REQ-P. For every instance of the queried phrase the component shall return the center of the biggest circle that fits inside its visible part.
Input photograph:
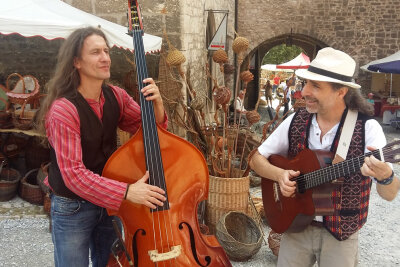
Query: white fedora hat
(331, 65)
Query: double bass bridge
(155, 256)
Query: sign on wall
(219, 39)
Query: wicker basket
(9, 179)
(274, 242)
(239, 235)
(226, 194)
(25, 90)
(23, 118)
(47, 204)
(29, 190)
(41, 175)
(122, 137)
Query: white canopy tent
(52, 19)
(302, 61)
(272, 67)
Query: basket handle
(23, 108)
(29, 172)
(20, 77)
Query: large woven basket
(224, 195)
(9, 180)
(23, 118)
(122, 137)
(29, 190)
(239, 235)
(24, 90)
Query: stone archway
(309, 45)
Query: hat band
(330, 74)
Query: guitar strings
(318, 177)
(324, 175)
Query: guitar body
(294, 214)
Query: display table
(27, 132)
(391, 108)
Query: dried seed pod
(175, 58)
(246, 76)
(220, 57)
(222, 95)
(253, 117)
(197, 103)
(229, 69)
(240, 45)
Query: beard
(313, 106)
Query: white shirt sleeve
(278, 141)
(374, 135)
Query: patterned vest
(350, 199)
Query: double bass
(168, 235)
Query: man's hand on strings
(145, 194)
(375, 168)
(288, 187)
(151, 91)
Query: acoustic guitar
(315, 184)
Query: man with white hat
(330, 94)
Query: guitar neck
(335, 171)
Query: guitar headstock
(391, 152)
(135, 21)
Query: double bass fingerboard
(150, 135)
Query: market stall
(386, 73)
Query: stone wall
(365, 29)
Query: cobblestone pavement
(26, 240)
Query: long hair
(66, 79)
(354, 100)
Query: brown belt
(317, 224)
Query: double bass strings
(151, 142)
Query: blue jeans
(274, 87)
(77, 227)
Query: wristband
(126, 192)
(386, 181)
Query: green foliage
(280, 54)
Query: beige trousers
(316, 244)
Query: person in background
(285, 99)
(239, 107)
(277, 81)
(370, 98)
(268, 93)
(80, 117)
(329, 92)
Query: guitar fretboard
(327, 174)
